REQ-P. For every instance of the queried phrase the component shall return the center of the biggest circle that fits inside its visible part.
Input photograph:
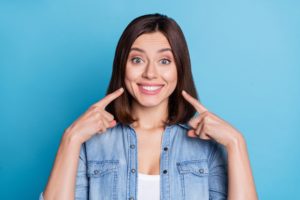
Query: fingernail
(121, 89)
(113, 123)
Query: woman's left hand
(208, 126)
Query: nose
(150, 71)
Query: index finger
(195, 103)
(110, 97)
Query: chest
(148, 151)
(113, 163)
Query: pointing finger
(109, 98)
(194, 102)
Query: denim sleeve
(218, 175)
(81, 188)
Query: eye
(136, 60)
(165, 61)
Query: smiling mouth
(150, 90)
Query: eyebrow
(141, 50)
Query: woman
(143, 140)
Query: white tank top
(148, 187)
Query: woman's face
(151, 74)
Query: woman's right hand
(95, 120)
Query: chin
(149, 105)
(150, 100)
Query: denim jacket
(190, 168)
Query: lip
(150, 84)
(148, 92)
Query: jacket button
(132, 146)
(131, 198)
(96, 171)
(165, 171)
(201, 171)
(132, 170)
(166, 148)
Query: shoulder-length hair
(180, 111)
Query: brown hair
(180, 111)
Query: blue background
(56, 58)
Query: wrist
(236, 142)
(70, 137)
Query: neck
(150, 117)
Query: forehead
(155, 40)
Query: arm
(208, 126)
(241, 181)
(61, 183)
(70, 158)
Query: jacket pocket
(103, 179)
(194, 179)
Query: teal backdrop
(56, 60)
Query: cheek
(131, 73)
(130, 76)
(128, 81)
(171, 76)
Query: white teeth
(151, 88)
